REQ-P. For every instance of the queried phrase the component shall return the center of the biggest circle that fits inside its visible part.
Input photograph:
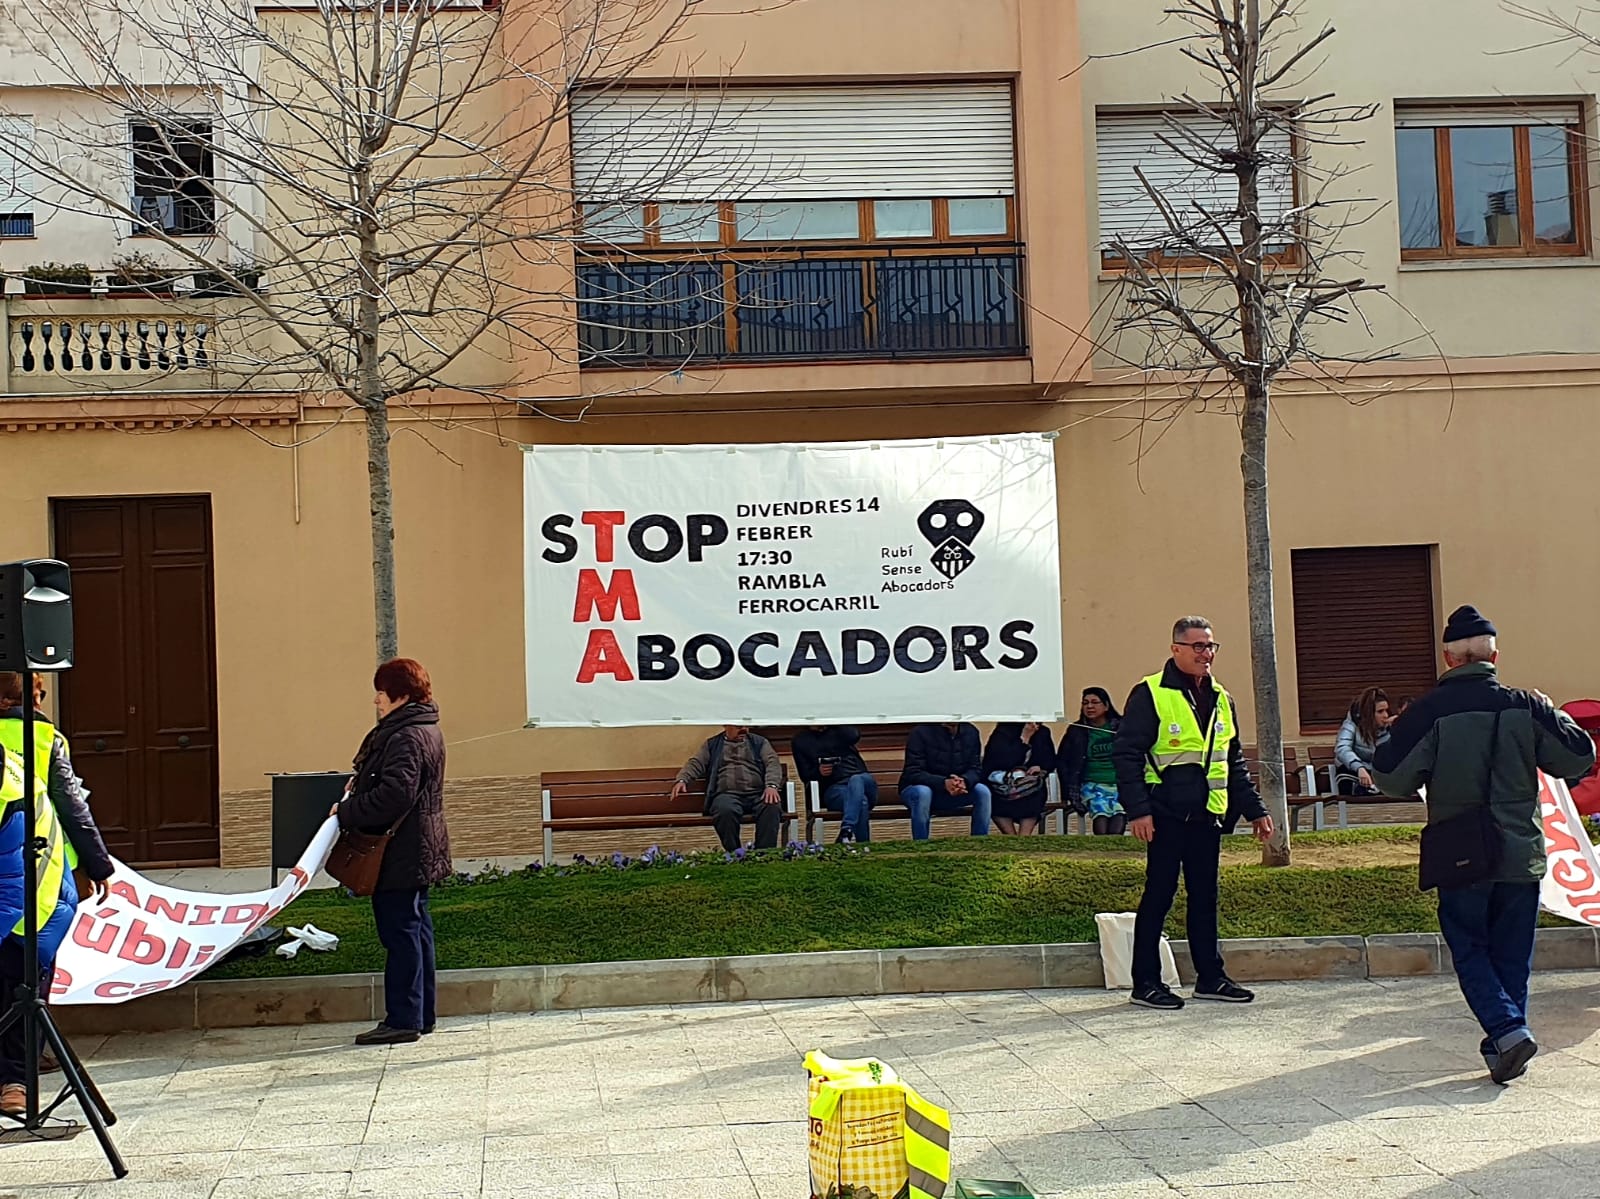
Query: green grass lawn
(953, 891)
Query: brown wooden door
(139, 704)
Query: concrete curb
(339, 998)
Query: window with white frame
(1127, 143)
(16, 199)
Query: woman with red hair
(398, 788)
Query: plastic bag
(870, 1131)
(1116, 951)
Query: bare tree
(1229, 287)
(379, 190)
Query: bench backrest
(1293, 778)
(646, 792)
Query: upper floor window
(16, 200)
(768, 166)
(1170, 161)
(174, 178)
(1490, 181)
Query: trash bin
(300, 804)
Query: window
(1363, 617)
(16, 204)
(1146, 141)
(174, 179)
(903, 218)
(825, 220)
(758, 224)
(1490, 182)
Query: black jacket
(400, 777)
(934, 754)
(1184, 789)
(1005, 750)
(72, 809)
(836, 741)
(1472, 742)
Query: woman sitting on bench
(1366, 728)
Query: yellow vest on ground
(44, 739)
(53, 863)
(1180, 741)
(869, 1129)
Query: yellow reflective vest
(46, 828)
(1180, 741)
(44, 740)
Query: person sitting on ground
(827, 756)
(1017, 763)
(742, 775)
(942, 774)
(1364, 729)
(1088, 777)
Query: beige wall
(1386, 51)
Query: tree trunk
(1263, 637)
(381, 491)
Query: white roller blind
(1124, 141)
(1431, 116)
(799, 143)
(16, 138)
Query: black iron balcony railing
(814, 305)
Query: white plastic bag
(1116, 951)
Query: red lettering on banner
(140, 947)
(299, 876)
(125, 890)
(1572, 874)
(205, 915)
(244, 913)
(113, 990)
(604, 525)
(604, 656)
(593, 594)
(203, 955)
(60, 983)
(177, 912)
(1558, 839)
(180, 951)
(101, 940)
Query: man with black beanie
(1476, 745)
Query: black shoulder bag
(1465, 849)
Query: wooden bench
(885, 766)
(622, 800)
(1321, 781)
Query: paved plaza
(1356, 1090)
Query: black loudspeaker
(35, 615)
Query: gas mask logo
(950, 527)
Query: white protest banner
(1571, 887)
(846, 583)
(148, 938)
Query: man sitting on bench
(941, 775)
(742, 775)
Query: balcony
(662, 309)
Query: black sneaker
(1513, 1062)
(1158, 997)
(1224, 990)
(384, 1035)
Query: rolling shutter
(794, 143)
(1124, 141)
(16, 180)
(1363, 618)
(1431, 116)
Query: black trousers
(1193, 847)
(728, 810)
(405, 930)
(13, 1056)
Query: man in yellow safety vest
(1180, 769)
(61, 818)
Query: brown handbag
(356, 858)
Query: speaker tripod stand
(29, 1007)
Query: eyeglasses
(1199, 647)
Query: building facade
(877, 228)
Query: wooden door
(139, 704)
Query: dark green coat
(1448, 742)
